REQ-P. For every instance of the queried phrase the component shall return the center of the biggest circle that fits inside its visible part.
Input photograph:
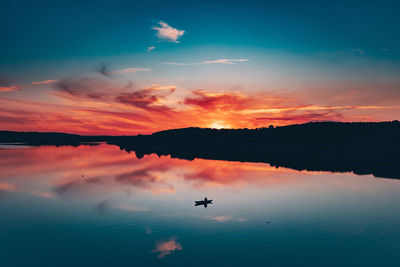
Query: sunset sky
(129, 67)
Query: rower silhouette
(203, 202)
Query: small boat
(203, 202)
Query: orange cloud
(10, 88)
(108, 106)
(217, 101)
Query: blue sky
(44, 30)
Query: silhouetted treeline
(56, 139)
(362, 148)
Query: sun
(218, 125)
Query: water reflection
(88, 171)
(118, 208)
(167, 247)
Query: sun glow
(219, 125)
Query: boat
(203, 202)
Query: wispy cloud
(150, 48)
(130, 70)
(168, 33)
(44, 82)
(10, 88)
(313, 108)
(7, 86)
(104, 69)
(216, 61)
(148, 98)
(225, 61)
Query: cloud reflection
(166, 248)
(95, 173)
(41, 194)
(225, 218)
(8, 187)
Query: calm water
(99, 206)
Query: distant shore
(362, 148)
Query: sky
(129, 67)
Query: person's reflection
(203, 202)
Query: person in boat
(205, 199)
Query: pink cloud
(10, 88)
(44, 82)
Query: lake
(98, 205)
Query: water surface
(98, 205)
